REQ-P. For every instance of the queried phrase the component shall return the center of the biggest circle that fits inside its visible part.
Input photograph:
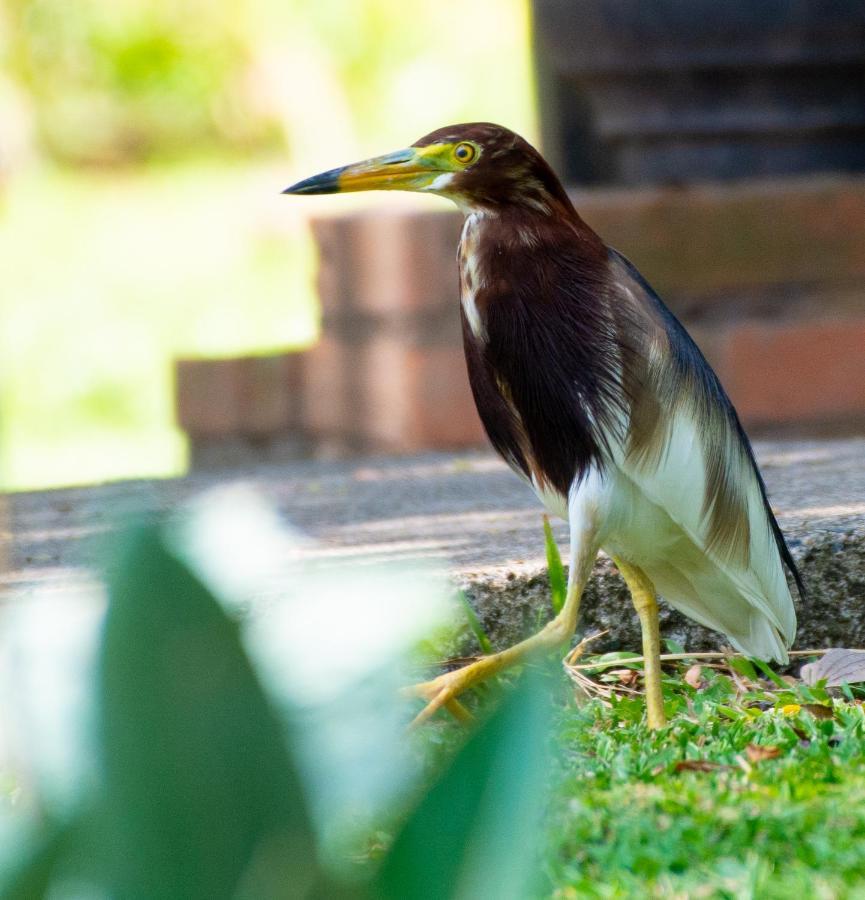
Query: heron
(595, 394)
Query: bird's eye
(465, 153)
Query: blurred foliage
(124, 81)
(130, 80)
(167, 238)
(200, 794)
(404, 69)
(106, 279)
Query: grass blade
(475, 625)
(558, 582)
(767, 671)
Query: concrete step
(470, 516)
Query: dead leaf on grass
(628, 677)
(836, 666)
(694, 677)
(698, 765)
(819, 710)
(758, 752)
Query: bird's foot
(442, 692)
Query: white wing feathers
(657, 522)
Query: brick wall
(769, 277)
(388, 373)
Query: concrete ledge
(476, 520)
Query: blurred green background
(143, 147)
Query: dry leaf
(698, 765)
(694, 677)
(627, 677)
(836, 666)
(758, 752)
(819, 710)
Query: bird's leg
(442, 691)
(583, 516)
(643, 595)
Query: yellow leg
(443, 690)
(643, 595)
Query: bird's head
(479, 166)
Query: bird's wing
(686, 453)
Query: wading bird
(595, 394)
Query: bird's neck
(517, 257)
(519, 238)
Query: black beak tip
(326, 183)
(300, 187)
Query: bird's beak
(405, 170)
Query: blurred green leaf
(475, 625)
(201, 797)
(32, 877)
(68, 850)
(475, 832)
(558, 582)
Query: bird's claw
(440, 692)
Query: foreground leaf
(475, 833)
(201, 798)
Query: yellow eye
(465, 153)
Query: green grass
(755, 789)
(106, 278)
(745, 794)
(692, 811)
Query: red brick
(705, 239)
(386, 392)
(332, 236)
(269, 394)
(795, 372)
(405, 261)
(445, 414)
(419, 398)
(256, 395)
(326, 411)
(205, 397)
(387, 263)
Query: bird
(595, 394)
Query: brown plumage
(592, 391)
